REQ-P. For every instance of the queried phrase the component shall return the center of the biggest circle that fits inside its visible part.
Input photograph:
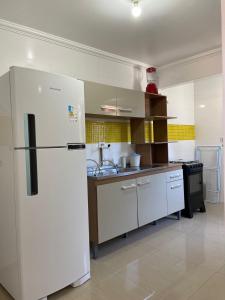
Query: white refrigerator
(44, 242)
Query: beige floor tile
(186, 285)
(87, 291)
(222, 270)
(175, 260)
(100, 270)
(155, 271)
(196, 250)
(120, 287)
(126, 255)
(214, 289)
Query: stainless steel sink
(120, 171)
(127, 170)
(112, 171)
(103, 172)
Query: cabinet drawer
(175, 196)
(117, 209)
(174, 175)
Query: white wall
(209, 110)
(209, 126)
(199, 102)
(181, 104)
(192, 68)
(25, 47)
(223, 37)
(114, 153)
(223, 59)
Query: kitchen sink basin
(110, 172)
(127, 170)
(120, 171)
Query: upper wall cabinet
(112, 101)
(130, 103)
(100, 99)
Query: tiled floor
(175, 260)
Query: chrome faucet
(98, 167)
(102, 146)
(111, 163)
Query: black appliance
(193, 187)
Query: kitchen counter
(120, 203)
(130, 173)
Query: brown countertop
(135, 173)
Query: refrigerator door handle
(74, 146)
(31, 154)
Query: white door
(56, 101)
(52, 225)
(152, 203)
(100, 99)
(130, 103)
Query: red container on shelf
(152, 81)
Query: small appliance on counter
(135, 160)
(193, 187)
(123, 160)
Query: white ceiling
(168, 30)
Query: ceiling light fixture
(136, 9)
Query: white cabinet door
(175, 196)
(100, 99)
(130, 103)
(117, 209)
(152, 202)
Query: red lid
(151, 70)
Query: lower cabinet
(175, 196)
(117, 209)
(152, 202)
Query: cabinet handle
(128, 187)
(144, 183)
(174, 176)
(108, 107)
(129, 110)
(175, 186)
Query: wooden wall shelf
(158, 118)
(166, 142)
(156, 111)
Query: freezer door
(53, 224)
(55, 101)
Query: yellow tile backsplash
(181, 132)
(119, 132)
(109, 132)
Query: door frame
(223, 58)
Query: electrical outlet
(102, 145)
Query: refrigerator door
(56, 102)
(53, 224)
